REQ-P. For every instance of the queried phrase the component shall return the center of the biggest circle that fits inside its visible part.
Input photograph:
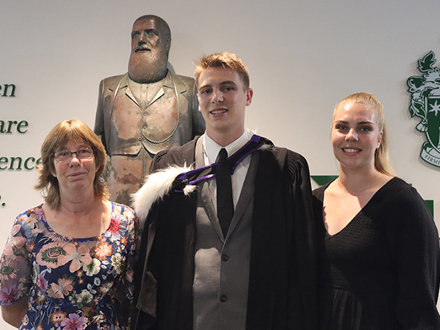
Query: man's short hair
(223, 60)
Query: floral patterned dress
(72, 283)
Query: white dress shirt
(211, 150)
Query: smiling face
(150, 43)
(355, 135)
(223, 100)
(76, 174)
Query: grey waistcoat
(221, 278)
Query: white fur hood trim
(156, 186)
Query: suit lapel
(247, 192)
(205, 194)
(178, 85)
(158, 95)
(244, 201)
(167, 82)
(130, 95)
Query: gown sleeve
(304, 229)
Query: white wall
(303, 56)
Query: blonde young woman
(380, 246)
(68, 263)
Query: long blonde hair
(382, 161)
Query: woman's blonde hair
(382, 161)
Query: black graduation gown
(283, 268)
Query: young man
(205, 271)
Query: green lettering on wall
(8, 127)
(21, 126)
(3, 160)
(26, 163)
(8, 88)
(15, 163)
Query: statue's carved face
(149, 51)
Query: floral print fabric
(72, 283)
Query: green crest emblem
(425, 104)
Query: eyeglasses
(66, 155)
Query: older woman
(68, 263)
(381, 248)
